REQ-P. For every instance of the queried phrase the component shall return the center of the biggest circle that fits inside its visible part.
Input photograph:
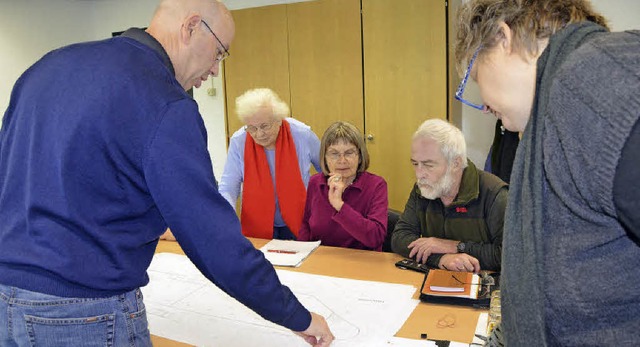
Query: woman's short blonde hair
(253, 100)
(348, 133)
(529, 21)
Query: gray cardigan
(571, 273)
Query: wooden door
(258, 57)
(325, 63)
(455, 106)
(405, 82)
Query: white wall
(622, 14)
(240, 4)
(30, 28)
(478, 128)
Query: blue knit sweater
(100, 150)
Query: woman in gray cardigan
(571, 255)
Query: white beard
(438, 189)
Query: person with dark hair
(571, 252)
(346, 205)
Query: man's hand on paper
(460, 262)
(318, 333)
(423, 247)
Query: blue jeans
(30, 319)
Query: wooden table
(439, 322)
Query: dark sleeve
(626, 185)
(180, 179)
(407, 229)
(503, 151)
(304, 234)
(490, 254)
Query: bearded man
(454, 217)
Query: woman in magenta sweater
(346, 205)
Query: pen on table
(483, 338)
(281, 251)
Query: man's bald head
(175, 10)
(179, 27)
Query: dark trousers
(283, 233)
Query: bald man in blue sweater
(101, 149)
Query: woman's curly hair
(529, 21)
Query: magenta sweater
(362, 220)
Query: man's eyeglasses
(463, 84)
(264, 127)
(221, 55)
(348, 155)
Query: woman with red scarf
(268, 163)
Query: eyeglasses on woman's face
(265, 127)
(350, 155)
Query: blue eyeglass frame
(463, 84)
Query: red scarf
(258, 200)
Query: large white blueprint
(183, 305)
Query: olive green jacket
(475, 217)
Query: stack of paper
(182, 305)
(288, 252)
